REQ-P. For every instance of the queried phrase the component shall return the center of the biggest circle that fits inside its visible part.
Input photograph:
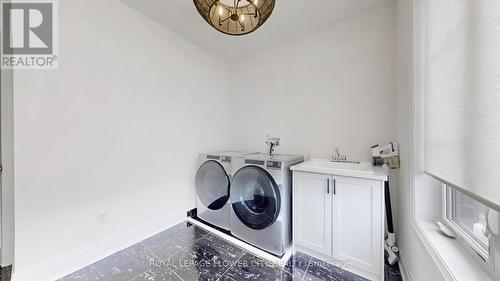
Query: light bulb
(221, 11)
(256, 2)
(242, 17)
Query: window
(467, 218)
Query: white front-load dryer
(213, 180)
(261, 199)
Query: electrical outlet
(102, 218)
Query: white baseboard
(403, 268)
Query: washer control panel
(225, 159)
(254, 162)
(273, 165)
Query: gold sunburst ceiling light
(235, 17)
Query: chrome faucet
(337, 157)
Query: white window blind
(462, 126)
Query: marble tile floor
(186, 252)
(5, 273)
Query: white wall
(333, 88)
(115, 130)
(417, 261)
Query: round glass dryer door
(255, 197)
(212, 185)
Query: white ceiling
(290, 19)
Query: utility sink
(350, 169)
(361, 167)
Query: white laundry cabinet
(339, 217)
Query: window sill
(454, 259)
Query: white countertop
(363, 170)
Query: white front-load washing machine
(261, 199)
(213, 180)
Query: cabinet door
(358, 223)
(312, 212)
